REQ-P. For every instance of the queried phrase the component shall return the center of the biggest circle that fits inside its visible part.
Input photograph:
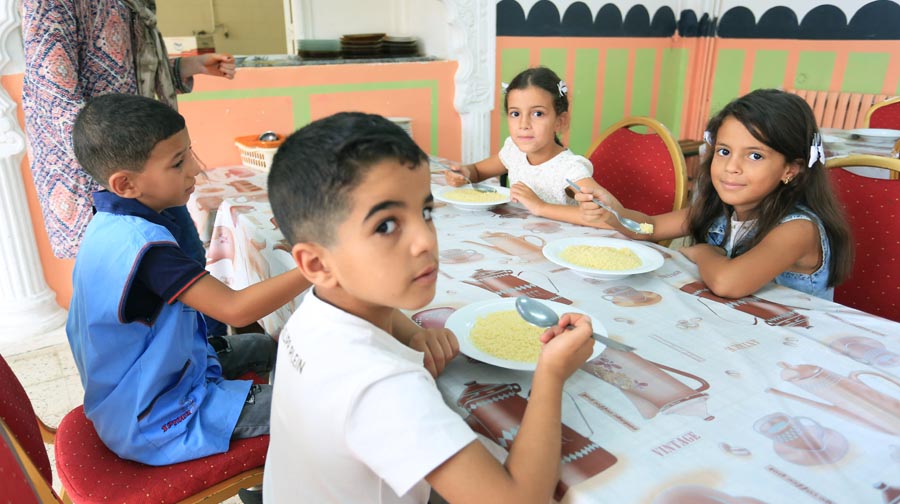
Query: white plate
(463, 320)
(650, 259)
(439, 191)
(880, 133)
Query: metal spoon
(536, 313)
(629, 224)
(477, 187)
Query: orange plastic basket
(256, 153)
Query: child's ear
(792, 170)
(562, 122)
(122, 183)
(312, 260)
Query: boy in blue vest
(156, 391)
(352, 193)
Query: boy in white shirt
(356, 417)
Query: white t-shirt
(355, 415)
(548, 179)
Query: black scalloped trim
(877, 20)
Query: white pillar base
(27, 305)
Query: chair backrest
(16, 410)
(885, 114)
(873, 212)
(25, 474)
(645, 171)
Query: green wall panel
(642, 83)
(814, 70)
(672, 79)
(512, 61)
(583, 92)
(768, 69)
(554, 59)
(865, 72)
(727, 78)
(613, 108)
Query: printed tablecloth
(777, 397)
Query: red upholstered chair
(645, 171)
(885, 114)
(90, 472)
(873, 210)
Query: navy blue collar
(105, 201)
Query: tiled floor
(46, 369)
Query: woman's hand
(215, 64)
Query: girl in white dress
(538, 164)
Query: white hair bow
(563, 89)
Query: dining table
(771, 398)
(871, 141)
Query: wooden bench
(836, 109)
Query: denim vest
(815, 283)
(153, 389)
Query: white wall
(329, 19)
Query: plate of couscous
(493, 332)
(597, 257)
(466, 198)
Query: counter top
(280, 60)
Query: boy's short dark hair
(118, 131)
(317, 167)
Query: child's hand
(439, 345)
(457, 174)
(566, 349)
(521, 193)
(592, 212)
(695, 252)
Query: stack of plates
(405, 124)
(319, 48)
(362, 45)
(401, 46)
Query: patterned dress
(74, 50)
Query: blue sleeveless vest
(153, 389)
(815, 283)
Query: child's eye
(426, 213)
(514, 113)
(538, 113)
(722, 151)
(179, 163)
(756, 156)
(387, 227)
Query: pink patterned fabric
(638, 169)
(74, 50)
(90, 472)
(873, 211)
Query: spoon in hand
(629, 224)
(477, 187)
(536, 313)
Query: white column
(473, 43)
(27, 306)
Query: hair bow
(504, 86)
(816, 150)
(707, 137)
(563, 89)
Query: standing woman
(78, 49)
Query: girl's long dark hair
(784, 122)
(546, 79)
